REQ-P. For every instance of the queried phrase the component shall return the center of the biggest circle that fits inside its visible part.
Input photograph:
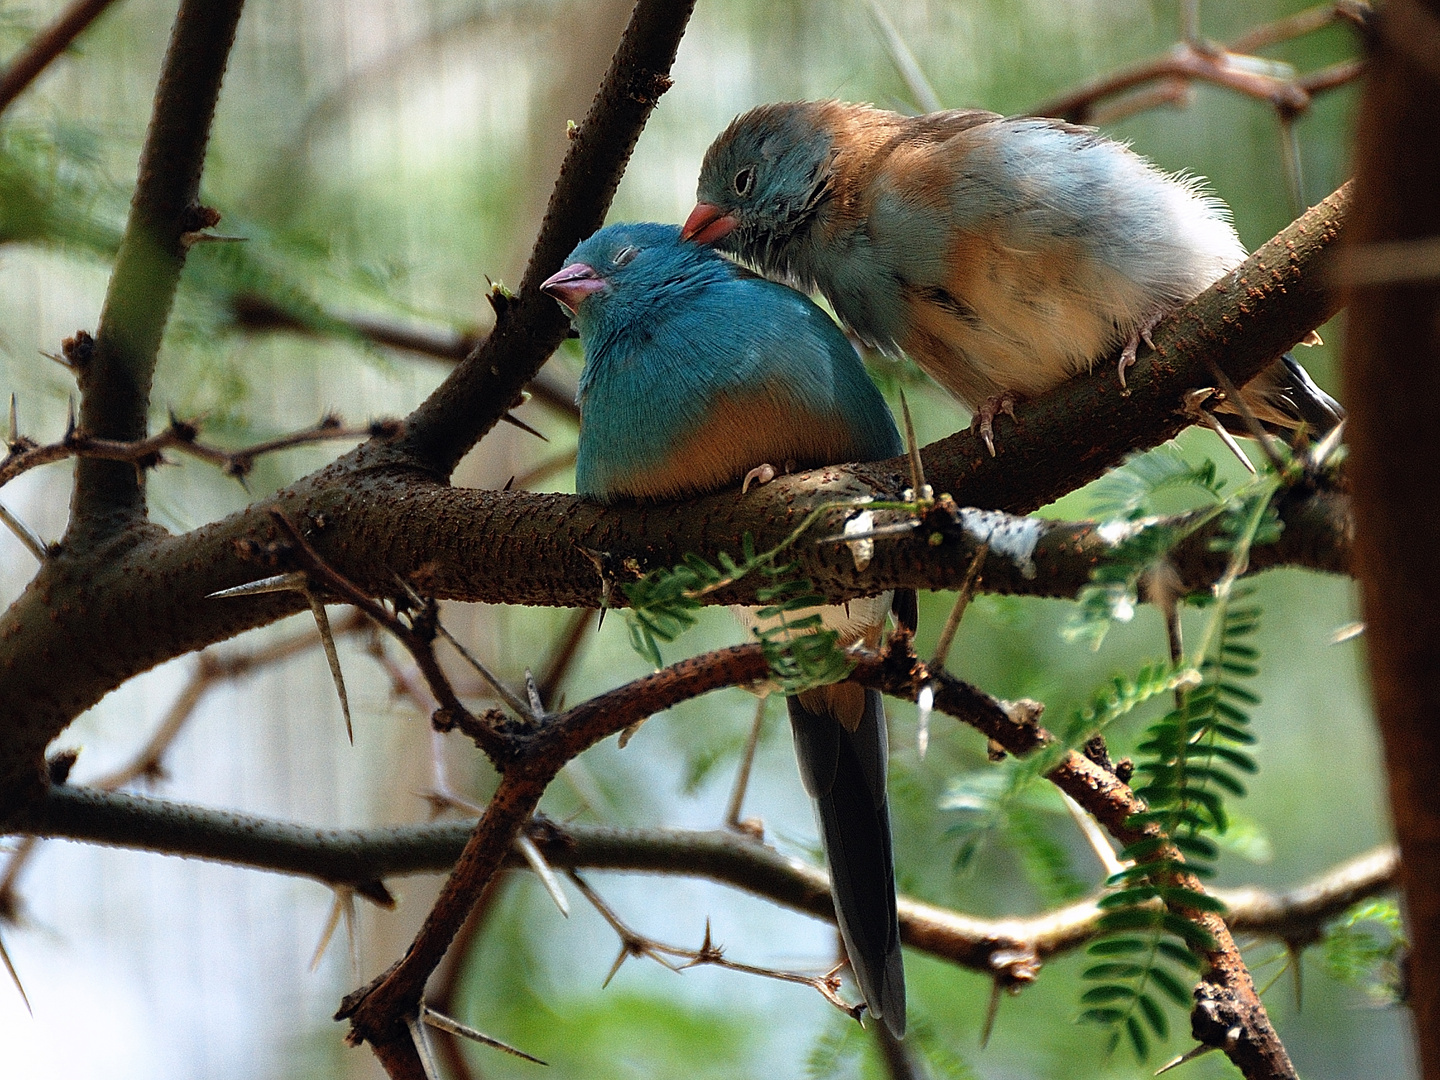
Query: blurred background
(382, 160)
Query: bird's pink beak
(572, 284)
(707, 224)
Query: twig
(636, 944)
(183, 437)
(1192, 59)
(45, 46)
(255, 312)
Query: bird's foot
(761, 474)
(992, 407)
(1132, 346)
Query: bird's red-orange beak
(572, 284)
(707, 224)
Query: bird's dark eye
(744, 181)
(625, 254)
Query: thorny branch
(339, 857)
(182, 436)
(710, 954)
(115, 383)
(1228, 66)
(147, 764)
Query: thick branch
(1392, 382)
(359, 856)
(115, 383)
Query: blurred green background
(383, 159)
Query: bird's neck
(863, 137)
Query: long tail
(1284, 395)
(840, 744)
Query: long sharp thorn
(1229, 440)
(624, 955)
(15, 977)
(465, 1031)
(962, 602)
(14, 422)
(422, 1049)
(1347, 632)
(332, 920)
(24, 534)
(511, 419)
(547, 876)
(1189, 1055)
(1321, 451)
(990, 1013)
(70, 419)
(352, 939)
(327, 641)
(296, 581)
(532, 691)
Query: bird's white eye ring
(745, 181)
(625, 254)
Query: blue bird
(696, 373)
(1004, 255)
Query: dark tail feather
(840, 744)
(1284, 396)
(906, 609)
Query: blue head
(621, 273)
(764, 179)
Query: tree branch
(45, 46)
(115, 383)
(1392, 381)
(1216, 64)
(358, 856)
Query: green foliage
(1010, 801)
(1130, 492)
(1188, 762)
(1364, 948)
(1125, 497)
(1002, 803)
(801, 653)
(833, 1051)
(53, 190)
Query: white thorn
(332, 920)
(421, 1039)
(332, 657)
(547, 877)
(24, 534)
(292, 582)
(465, 1031)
